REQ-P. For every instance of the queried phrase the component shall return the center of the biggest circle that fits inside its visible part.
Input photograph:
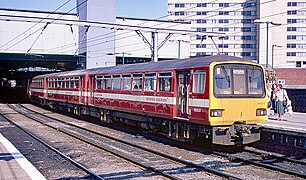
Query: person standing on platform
(273, 97)
(269, 94)
(281, 97)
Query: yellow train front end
(238, 102)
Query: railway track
(157, 162)
(91, 174)
(269, 161)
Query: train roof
(150, 66)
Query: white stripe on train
(204, 103)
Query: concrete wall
(97, 42)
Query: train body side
(189, 108)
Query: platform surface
(296, 122)
(13, 165)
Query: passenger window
(199, 80)
(137, 82)
(76, 83)
(58, 83)
(150, 82)
(66, 83)
(107, 82)
(126, 82)
(71, 83)
(116, 82)
(165, 82)
(99, 82)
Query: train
(221, 99)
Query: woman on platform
(281, 97)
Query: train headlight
(216, 113)
(261, 112)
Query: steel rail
(97, 146)
(85, 169)
(260, 164)
(187, 163)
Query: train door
(82, 98)
(91, 90)
(183, 89)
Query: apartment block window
(223, 21)
(179, 5)
(248, 45)
(246, 54)
(291, 53)
(248, 5)
(222, 45)
(292, 3)
(291, 45)
(201, 46)
(201, 5)
(201, 29)
(223, 29)
(248, 37)
(247, 21)
(223, 37)
(246, 29)
(291, 20)
(201, 37)
(201, 21)
(201, 13)
(291, 28)
(179, 13)
(223, 4)
(291, 12)
(291, 37)
(223, 12)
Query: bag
(269, 104)
(285, 104)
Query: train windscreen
(238, 80)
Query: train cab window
(116, 82)
(137, 82)
(107, 82)
(99, 82)
(222, 80)
(150, 82)
(165, 82)
(199, 81)
(241, 80)
(126, 82)
(255, 82)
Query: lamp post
(274, 45)
(257, 21)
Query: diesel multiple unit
(221, 99)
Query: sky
(151, 9)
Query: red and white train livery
(220, 98)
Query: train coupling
(236, 134)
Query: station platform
(296, 122)
(13, 165)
